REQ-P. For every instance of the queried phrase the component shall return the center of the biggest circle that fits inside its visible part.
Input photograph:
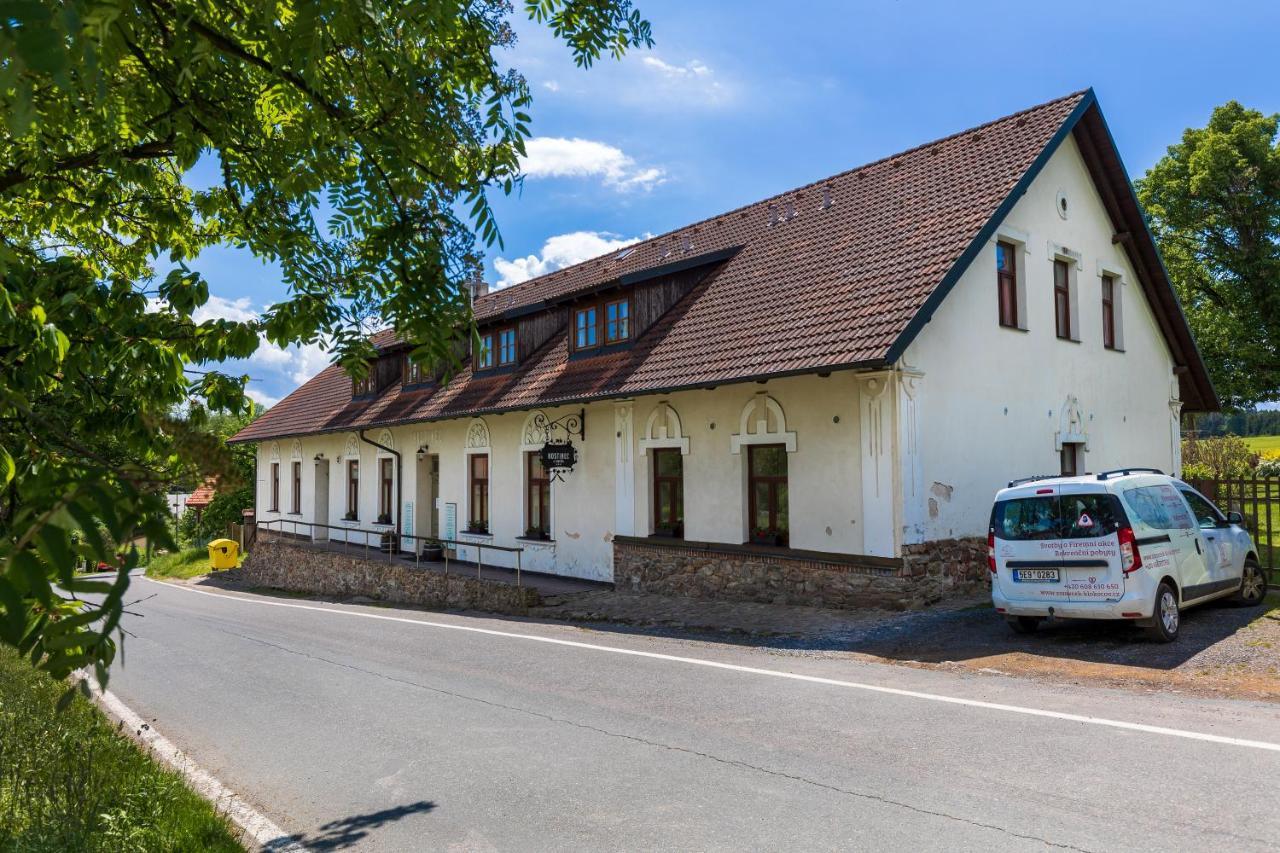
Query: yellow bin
(223, 553)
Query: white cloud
(558, 252)
(551, 86)
(558, 157)
(693, 81)
(217, 308)
(264, 400)
(694, 68)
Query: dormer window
(606, 323)
(506, 347)
(363, 386)
(586, 328)
(617, 321)
(484, 358)
(411, 372)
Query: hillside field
(1263, 443)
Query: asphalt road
(399, 730)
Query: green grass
(182, 564)
(69, 781)
(1263, 443)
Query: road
(378, 729)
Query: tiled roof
(203, 495)
(826, 276)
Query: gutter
(399, 476)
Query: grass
(189, 563)
(69, 781)
(1263, 443)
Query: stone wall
(284, 565)
(947, 567)
(927, 574)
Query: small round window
(1062, 204)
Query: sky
(738, 101)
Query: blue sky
(738, 101)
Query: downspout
(399, 476)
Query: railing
(387, 541)
(1258, 500)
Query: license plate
(1035, 575)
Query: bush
(1223, 457)
(68, 781)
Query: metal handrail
(395, 538)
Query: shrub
(1224, 457)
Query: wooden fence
(1258, 500)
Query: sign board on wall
(450, 521)
(559, 456)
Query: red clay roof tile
(835, 285)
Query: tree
(355, 146)
(1214, 206)
(234, 494)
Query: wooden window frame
(593, 328)
(353, 490)
(1007, 284)
(600, 326)
(275, 487)
(624, 320)
(542, 485)
(477, 510)
(386, 486)
(499, 336)
(1109, 312)
(1070, 458)
(296, 490)
(486, 355)
(1063, 321)
(362, 387)
(411, 372)
(773, 480)
(674, 525)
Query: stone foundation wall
(299, 568)
(926, 574)
(947, 567)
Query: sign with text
(559, 456)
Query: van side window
(1206, 514)
(1159, 507)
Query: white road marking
(255, 824)
(772, 673)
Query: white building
(811, 399)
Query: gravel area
(1224, 650)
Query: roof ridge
(850, 171)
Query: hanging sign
(559, 456)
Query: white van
(1132, 544)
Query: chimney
(479, 287)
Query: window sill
(1014, 328)
(1113, 349)
(669, 537)
(1069, 340)
(535, 541)
(474, 535)
(382, 524)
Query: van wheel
(1253, 584)
(1023, 624)
(1165, 618)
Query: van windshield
(1057, 517)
